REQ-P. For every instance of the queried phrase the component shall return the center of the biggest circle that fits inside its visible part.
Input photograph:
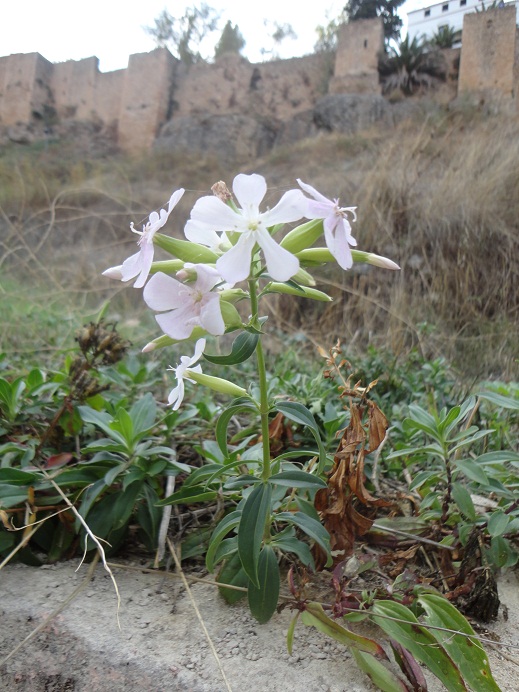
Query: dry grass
(440, 197)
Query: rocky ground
(161, 644)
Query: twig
(420, 539)
(55, 612)
(20, 545)
(164, 522)
(198, 615)
(173, 575)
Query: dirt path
(161, 646)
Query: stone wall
(356, 63)
(158, 94)
(488, 53)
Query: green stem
(262, 376)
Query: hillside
(439, 194)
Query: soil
(161, 646)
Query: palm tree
(410, 66)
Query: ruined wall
(488, 52)
(145, 98)
(356, 63)
(277, 89)
(132, 105)
(24, 90)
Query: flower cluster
(227, 243)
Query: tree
(370, 9)
(327, 35)
(231, 41)
(412, 65)
(183, 35)
(278, 33)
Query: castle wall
(277, 89)
(356, 62)
(145, 100)
(108, 95)
(488, 52)
(24, 91)
(73, 87)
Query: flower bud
(304, 292)
(114, 273)
(167, 266)
(303, 236)
(231, 316)
(216, 383)
(185, 249)
(384, 262)
(304, 278)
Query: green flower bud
(185, 249)
(216, 383)
(304, 292)
(303, 236)
(233, 295)
(167, 266)
(304, 277)
(231, 316)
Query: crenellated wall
(134, 104)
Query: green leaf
(252, 527)
(310, 526)
(291, 544)
(500, 400)
(300, 414)
(498, 522)
(263, 598)
(12, 495)
(451, 419)
(314, 616)
(381, 676)
(232, 573)
(470, 468)
(143, 414)
(290, 633)
(420, 642)
(461, 497)
(297, 479)
(124, 424)
(468, 652)
(227, 524)
(102, 420)
(18, 477)
(500, 553)
(500, 457)
(124, 504)
(188, 496)
(242, 349)
(223, 423)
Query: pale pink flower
(139, 264)
(176, 396)
(211, 216)
(186, 306)
(337, 228)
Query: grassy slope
(441, 197)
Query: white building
(428, 20)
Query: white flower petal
(163, 292)
(281, 264)
(210, 213)
(206, 277)
(249, 190)
(114, 273)
(313, 192)
(234, 265)
(291, 207)
(197, 232)
(211, 315)
(146, 260)
(178, 324)
(176, 396)
(131, 267)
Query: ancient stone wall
(356, 63)
(134, 104)
(277, 89)
(488, 52)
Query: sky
(113, 29)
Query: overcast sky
(113, 29)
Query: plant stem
(262, 377)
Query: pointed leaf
(419, 641)
(227, 524)
(224, 420)
(252, 527)
(297, 479)
(310, 526)
(468, 652)
(381, 676)
(242, 349)
(314, 616)
(264, 598)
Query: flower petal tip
(114, 273)
(149, 347)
